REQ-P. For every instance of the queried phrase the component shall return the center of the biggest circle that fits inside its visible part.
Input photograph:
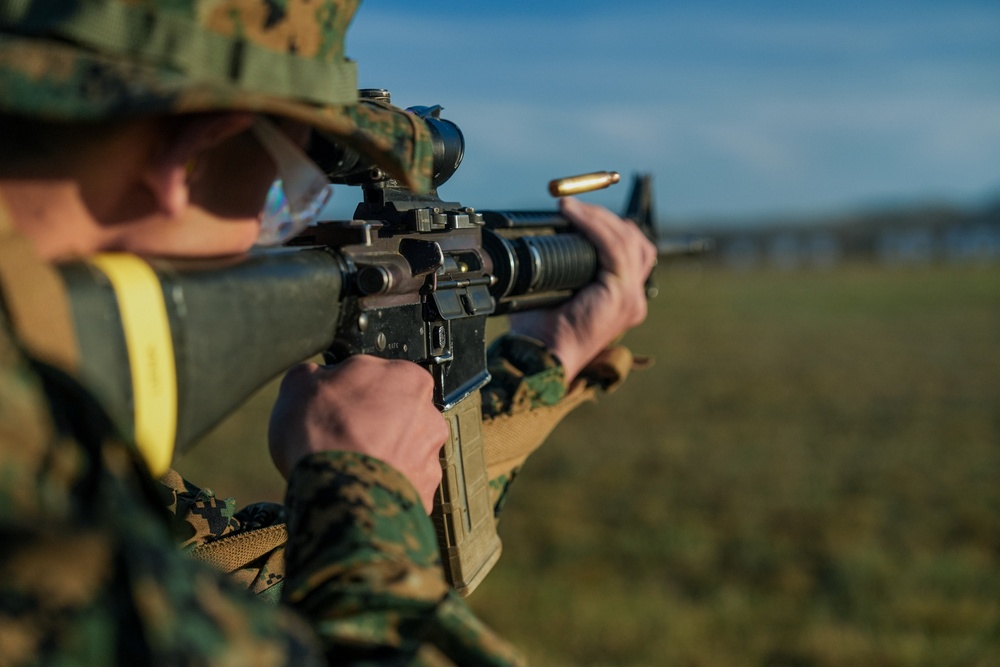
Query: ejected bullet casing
(574, 185)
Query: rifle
(410, 277)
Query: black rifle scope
(347, 166)
(536, 257)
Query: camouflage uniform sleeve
(379, 593)
(524, 375)
(363, 566)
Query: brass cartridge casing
(574, 185)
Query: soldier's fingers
(599, 225)
(621, 246)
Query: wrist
(558, 339)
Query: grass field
(808, 476)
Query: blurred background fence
(915, 236)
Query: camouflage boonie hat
(80, 60)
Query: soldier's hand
(364, 404)
(578, 330)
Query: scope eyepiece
(447, 141)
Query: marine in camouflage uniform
(91, 570)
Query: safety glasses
(299, 193)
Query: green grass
(808, 476)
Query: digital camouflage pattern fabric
(523, 375)
(86, 60)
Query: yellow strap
(150, 355)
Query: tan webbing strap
(232, 552)
(509, 439)
(36, 301)
(612, 366)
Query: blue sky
(739, 109)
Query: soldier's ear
(175, 161)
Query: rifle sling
(509, 439)
(232, 552)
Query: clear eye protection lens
(279, 222)
(300, 192)
(275, 220)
